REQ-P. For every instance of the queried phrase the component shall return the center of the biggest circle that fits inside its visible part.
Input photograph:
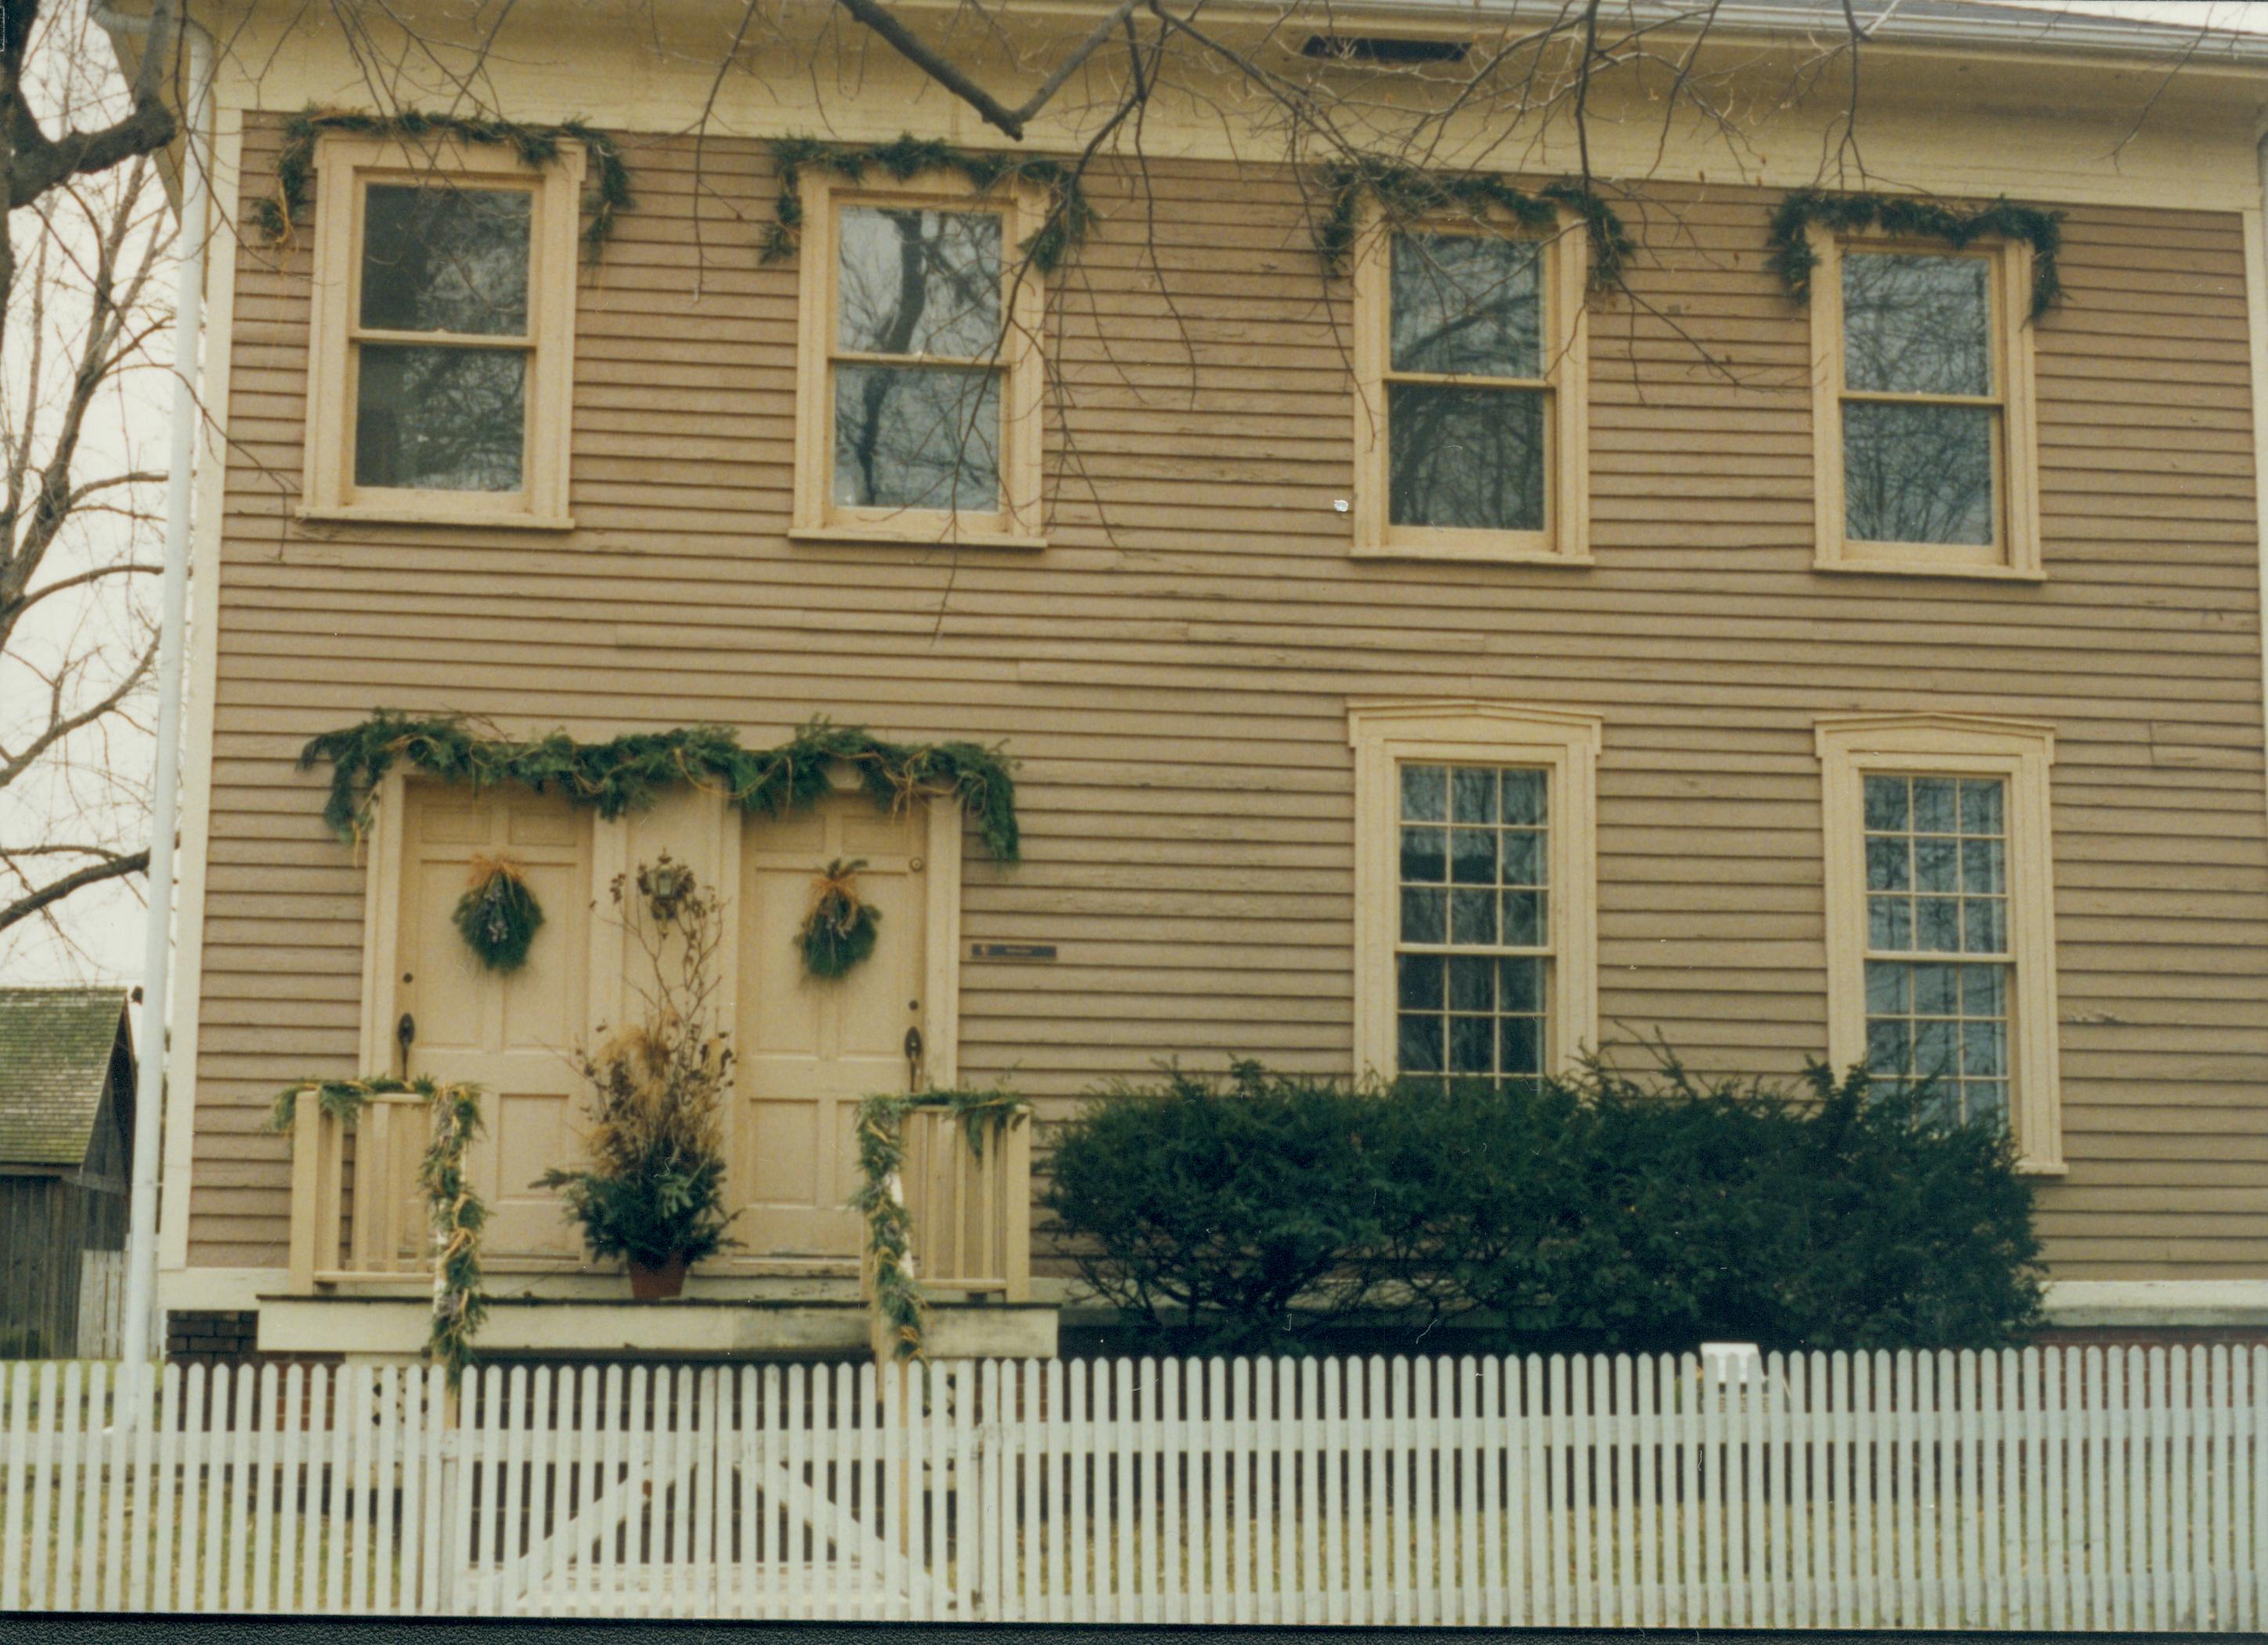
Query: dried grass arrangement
(653, 1191)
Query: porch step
(747, 1326)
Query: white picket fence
(2050, 1488)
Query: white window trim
(1564, 742)
(2019, 752)
(2014, 554)
(1016, 524)
(342, 165)
(1566, 538)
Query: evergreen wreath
(1407, 196)
(881, 1198)
(1903, 216)
(1069, 218)
(838, 933)
(497, 915)
(608, 194)
(630, 772)
(456, 1214)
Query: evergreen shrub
(1600, 1211)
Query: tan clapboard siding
(1173, 671)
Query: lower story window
(1473, 953)
(1474, 916)
(1940, 923)
(1938, 960)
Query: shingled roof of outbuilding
(54, 1066)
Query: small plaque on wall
(1011, 951)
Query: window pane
(1473, 795)
(1917, 325)
(1472, 859)
(1933, 808)
(1984, 926)
(1419, 981)
(1466, 304)
(1918, 473)
(1888, 865)
(1471, 458)
(1937, 925)
(1523, 919)
(445, 259)
(1984, 865)
(1425, 915)
(1523, 797)
(440, 419)
(1522, 985)
(1980, 805)
(1937, 864)
(917, 437)
(1424, 854)
(1425, 793)
(1886, 803)
(1472, 984)
(1523, 857)
(1888, 991)
(1936, 989)
(1472, 918)
(1472, 1049)
(1418, 1047)
(1889, 923)
(1523, 1045)
(919, 282)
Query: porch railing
(357, 1215)
(970, 1207)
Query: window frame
(344, 166)
(2015, 552)
(2020, 753)
(1564, 743)
(816, 518)
(1566, 537)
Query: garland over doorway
(628, 773)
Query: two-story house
(1535, 589)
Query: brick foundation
(210, 1337)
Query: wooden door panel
(811, 1049)
(511, 1034)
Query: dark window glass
(1468, 457)
(445, 259)
(917, 437)
(440, 419)
(1467, 305)
(914, 283)
(1919, 474)
(1915, 324)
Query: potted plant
(651, 1194)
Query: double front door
(808, 1049)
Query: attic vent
(1383, 48)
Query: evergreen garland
(879, 1199)
(1906, 217)
(497, 916)
(1070, 217)
(456, 1212)
(1408, 196)
(606, 196)
(838, 933)
(629, 772)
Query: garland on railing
(1905, 217)
(456, 1212)
(1409, 196)
(607, 196)
(1069, 218)
(628, 773)
(881, 1202)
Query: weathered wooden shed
(66, 1152)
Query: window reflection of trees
(449, 261)
(1464, 454)
(922, 286)
(1918, 471)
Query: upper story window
(1925, 437)
(441, 349)
(1939, 916)
(1470, 394)
(918, 400)
(1474, 915)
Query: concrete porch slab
(689, 1327)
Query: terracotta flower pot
(652, 1285)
